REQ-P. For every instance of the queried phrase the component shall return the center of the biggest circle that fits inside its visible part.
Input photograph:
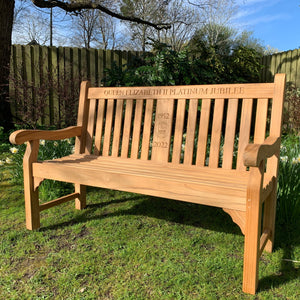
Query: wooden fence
(44, 81)
(285, 62)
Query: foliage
(4, 146)
(292, 98)
(244, 65)
(223, 39)
(12, 163)
(288, 208)
(31, 99)
(169, 67)
(231, 57)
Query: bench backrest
(198, 124)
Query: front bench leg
(31, 195)
(253, 229)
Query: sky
(276, 23)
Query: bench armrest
(255, 153)
(21, 136)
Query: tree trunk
(6, 23)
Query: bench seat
(202, 185)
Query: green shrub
(50, 189)
(288, 206)
(167, 67)
(292, 106)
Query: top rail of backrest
(248, 90)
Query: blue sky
(276, 23)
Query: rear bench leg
(80, 202)
(269, 218)
(31, 195)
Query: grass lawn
(129, 246)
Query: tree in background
(184, 20)
(108, 38)
(151, 10)
(6, 24)
(234, 57)
(32, 26)
(93, 28)
(85, 26)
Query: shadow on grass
(206, 217)
(179, 212)
(287, 239)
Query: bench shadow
(179, 212)
(286, 240)
(197, 215)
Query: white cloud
(262, 20)
(254, 2)
(253, 12)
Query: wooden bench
(189, 143)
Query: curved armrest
(255, 153)
(21, 136)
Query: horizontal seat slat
(151, 183)
(167, 169)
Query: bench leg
(252, 231)
(251, 251)
(31, 194)
(80, 202)
(269, 218)
(32, 210)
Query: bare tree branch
(78, 6)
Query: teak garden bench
(189, 143)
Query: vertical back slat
(203, 132)
(147, 129)
(162, 130)
(244, 131)
(229, 133)
(137, 128)
(108, 126)
(190, 132)
(99, 126)
(117, 128)
(177, 144)
(127, 128)
(261, 120)
(214, 152)
(90, 126)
